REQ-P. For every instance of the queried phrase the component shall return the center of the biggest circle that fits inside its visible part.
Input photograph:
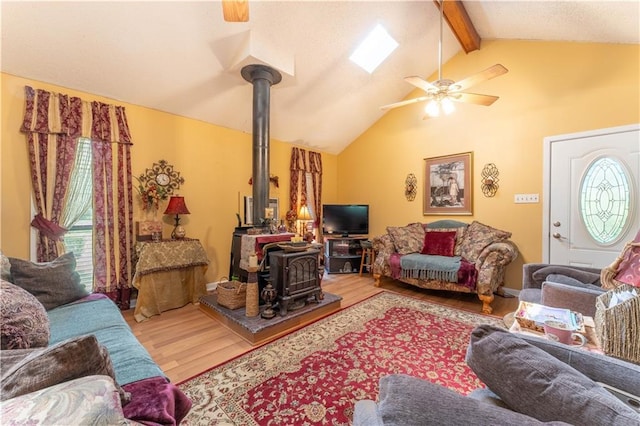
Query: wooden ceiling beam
(458, 19)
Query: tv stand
(342, 255)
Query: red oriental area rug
(315, 375)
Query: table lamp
(177, 206)
(303, 216)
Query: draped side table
(169, 274)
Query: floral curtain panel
(315, 170)
(306, 168)
(50, 126)
(53, 123)
(113, 203)
(298, 184)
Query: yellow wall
(550, 89)
(214, 161)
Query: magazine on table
(533, 316)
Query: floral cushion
(477, 237)
(25, 371)
(87, 400)
(25, 323)
(407, 239)
(629, 269)
(5, 268)
(52, 283)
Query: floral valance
(56, 113)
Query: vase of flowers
(151, 194)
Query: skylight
(374, 49)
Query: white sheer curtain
(80, 190)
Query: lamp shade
(304, 213)
(176, 205)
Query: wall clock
(163, 175)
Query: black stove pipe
(262, 77)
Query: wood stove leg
(284, 308)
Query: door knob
(556, 223)
(556, 235)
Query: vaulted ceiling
(182, 57)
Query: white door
(591, 195)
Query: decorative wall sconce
(410, 187)
(490, 180)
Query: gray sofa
(529, 381)
(561, 286)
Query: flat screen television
(345, 219)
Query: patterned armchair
(485, 251)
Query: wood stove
(295, 277)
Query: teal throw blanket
(102, 318)
(423, 266)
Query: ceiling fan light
(447, 106)
(432, 109)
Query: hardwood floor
(185, 342)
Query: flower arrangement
(151, 194)
(291, 218)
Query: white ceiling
(182, 57)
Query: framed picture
(448, 188)
(248, 210)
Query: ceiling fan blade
(473, 98)
(403, 103)
(421, 83)
(235, 10)
(488, 74)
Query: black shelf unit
(342, 255)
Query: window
(374, 49)
(79, 212)
(605, 200)
(79, 240)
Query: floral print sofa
(479, 252)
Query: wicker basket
(618, 328)
(232, 294)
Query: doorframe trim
(546, 174)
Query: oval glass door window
(605, 200)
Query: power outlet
(526, 198)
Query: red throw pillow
(439, 243)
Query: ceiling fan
(441, 92)
(235, 10)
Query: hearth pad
(257, 330)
